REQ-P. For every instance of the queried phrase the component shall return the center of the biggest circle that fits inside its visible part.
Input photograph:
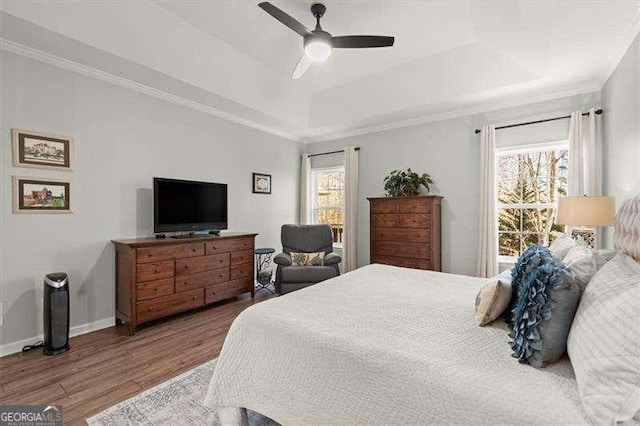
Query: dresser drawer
(201, 280)
(226, 290)
(151, 289)
(414, 205)
(154, 271)
(167, 252)
(227, 245)
(415, 235)
(385, 206)
(167, 305)
(397, 220)
(414, 220)
(385, 220)
(240, 257)
(402, 262)
(201, 264)
(402, 249)
(242, 271)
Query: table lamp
(585, 213)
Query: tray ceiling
(235, 60)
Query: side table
(263, 269)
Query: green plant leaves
(406, 183)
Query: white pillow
(603, 256)
(582, 264)
(604, 343)
(561, 246)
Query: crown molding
(623, 46)
(321, 135)
(29, 52)
(328, 135)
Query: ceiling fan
(318, 43)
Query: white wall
(621, 130)
(122, 140)
(449, 151)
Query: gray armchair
(305, 239)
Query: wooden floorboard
(109, 366)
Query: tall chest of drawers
(156, 278)
(405, 231)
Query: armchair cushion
(332, 259)
(307, 274)
(307, 259)
(282, 259)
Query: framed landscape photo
(41, 195)
(261, 183)
(41, 151)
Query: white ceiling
(232, 59)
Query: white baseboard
(14, 347)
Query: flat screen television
(183, 205)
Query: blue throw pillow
(546, 303)
(527, 264)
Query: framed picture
(41, 195)
(41, 151)
(261, 183)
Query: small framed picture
(41, 151)
(41, 195)
(261, 183)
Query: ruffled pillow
(546, 304)
(527, 264)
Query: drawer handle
(156, 271)
(155, 289)
(215, 248)
(194, 297)
(194, 249)
(150, 309)
(150, 255)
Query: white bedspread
(385, 345)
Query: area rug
(175, 402)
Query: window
(328, 200)
(530, 181)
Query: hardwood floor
(108, 366)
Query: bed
(388, 345)
(383, 344)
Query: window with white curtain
(530, 180)
(328, 200)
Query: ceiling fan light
(318, 50)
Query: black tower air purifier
(56, 313)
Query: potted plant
(405, 183)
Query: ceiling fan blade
(284, 18)
(361, 41)
(303, 65)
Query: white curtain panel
(583, 154)
(350, 238)
(488, 227)
(305, 190)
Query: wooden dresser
(160, 277)
(405, 231)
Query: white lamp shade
(586, 211)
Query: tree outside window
(529, 185)
(328, 200)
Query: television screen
(181, 205)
